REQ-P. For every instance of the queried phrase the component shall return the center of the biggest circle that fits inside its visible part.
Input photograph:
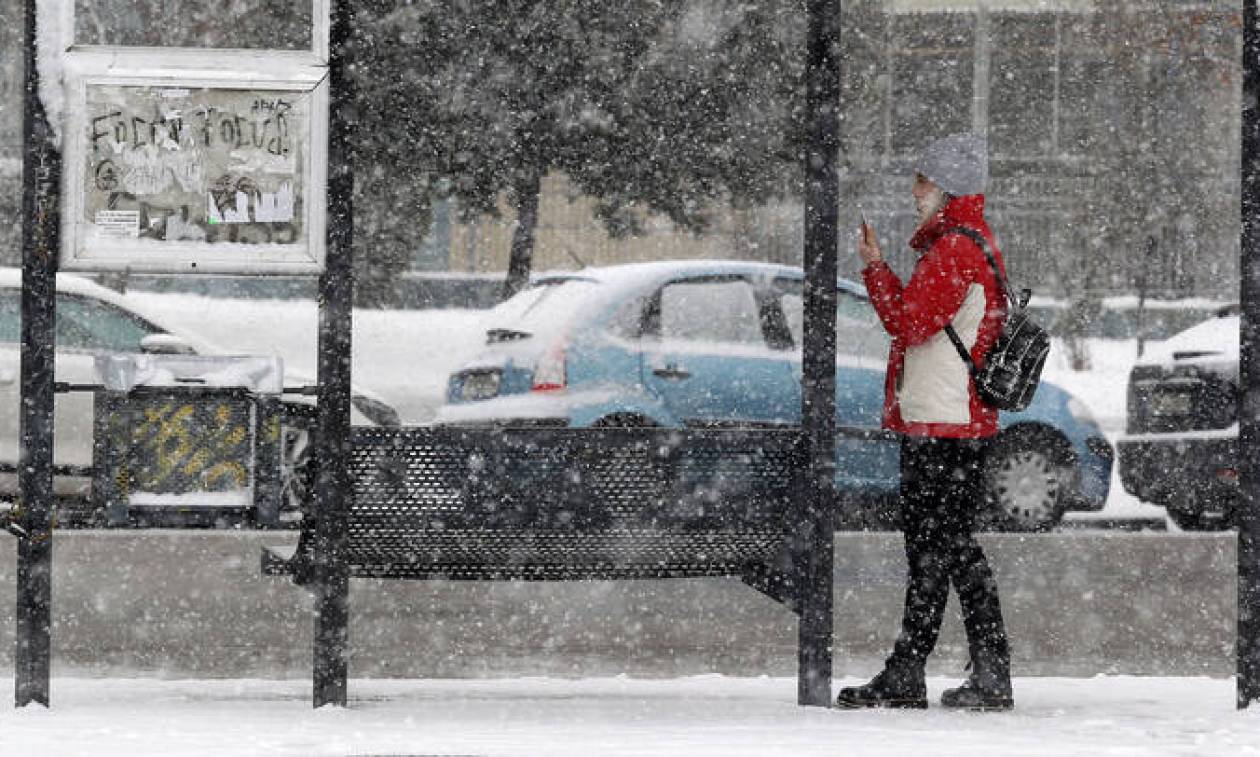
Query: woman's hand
(868, 246)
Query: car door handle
(672, 372)
(7, 376)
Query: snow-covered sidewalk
(697, 716)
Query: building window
(1022, 84)
(933, 74)
(434, 252)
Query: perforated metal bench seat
(555, 504)
(467, 554)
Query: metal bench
(558, 504)
(562, 504)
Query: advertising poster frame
(133, 237)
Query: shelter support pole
(41, 174)
(1248, 650)
(331, 577)
(815, 530)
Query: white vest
(934, 385)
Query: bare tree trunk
(522, 256)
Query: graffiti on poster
(203, 165)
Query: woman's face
(928, 198)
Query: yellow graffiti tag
(182, 443)
(232, 472)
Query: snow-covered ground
(695, 717)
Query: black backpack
(1012, 367)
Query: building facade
(1113, 133)
(1113, 137)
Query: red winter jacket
(928, 390)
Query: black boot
(897, 686)
(987, 688)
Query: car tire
(297, 463)
(296, 471)
(1025, 480)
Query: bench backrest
(445, 501)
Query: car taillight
(549, 373)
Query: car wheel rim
(1026, 488)
(295, 459)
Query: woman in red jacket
(931, 401)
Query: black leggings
(941, 496)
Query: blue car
(718, 343)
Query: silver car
(93, 320)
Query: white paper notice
(118, 223)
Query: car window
(90, 324)
(711, 310)
(81, 324)
(853, 308)
(626, 321)
(792, 302)
(858, 330)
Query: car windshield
(858, 330)
(82, 323)
(90, 324)
(543, 308)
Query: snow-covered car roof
(608, 284)
(1215, 339)
(634, 275)
(69, 283)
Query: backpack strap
(998, 274)
(1003, 284)
(962, 349)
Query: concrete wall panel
(192, 604)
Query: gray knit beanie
(958, 164)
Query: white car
(1180, 450)
(93, 320)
